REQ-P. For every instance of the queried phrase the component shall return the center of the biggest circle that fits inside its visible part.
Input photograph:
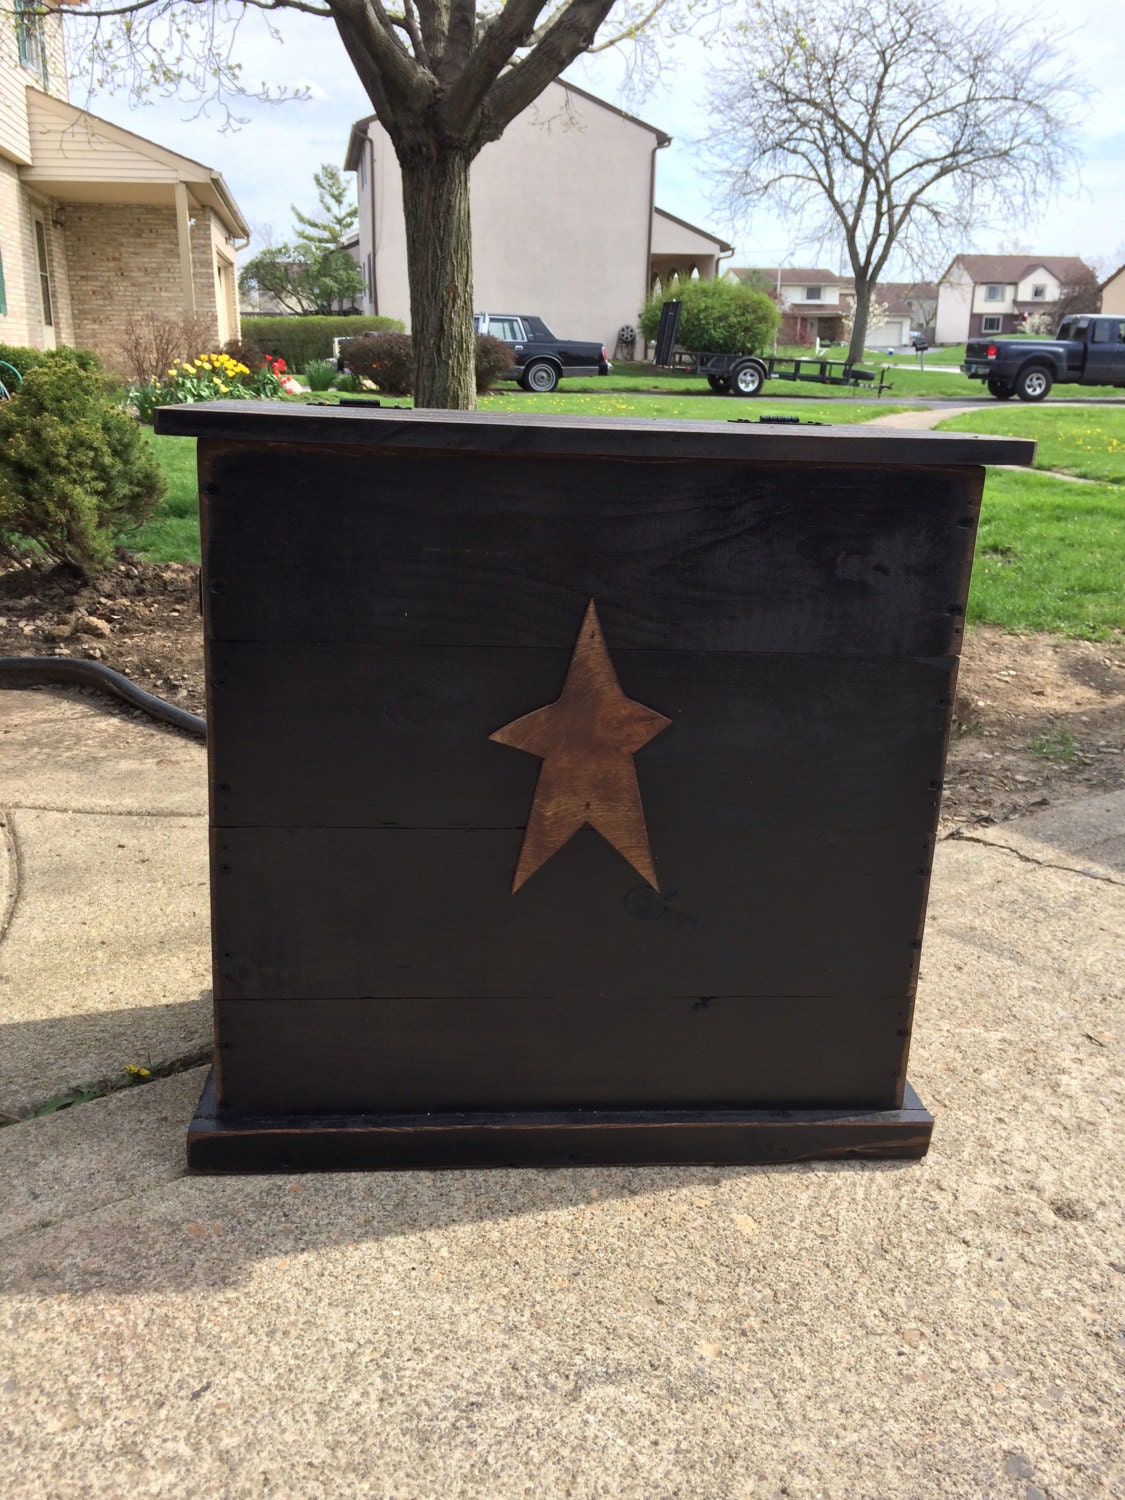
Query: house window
(991, 325)
(3, 293)
(30, 39)
(44, 272)
(1039, 292)
(812, 293)
(363, 169)
(994, 293)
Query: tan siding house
(982, 294)
(564, 224)
(1113, 293)
(96, 222)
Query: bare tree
(1081, 293)
(895, 125)
(445, 77)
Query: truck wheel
(1001, 391)
(540, 376)
(1033, 383)
(718, 383)
(746, 380)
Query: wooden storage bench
(574, 782)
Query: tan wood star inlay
(586, 740)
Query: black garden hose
(27, 671)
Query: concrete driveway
(898, 1331)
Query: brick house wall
(122, 258)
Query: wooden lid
(529, 433)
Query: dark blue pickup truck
(1087, 350)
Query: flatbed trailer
(746, 374)
(726, 373)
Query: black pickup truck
(540, 360)
(1087, 350)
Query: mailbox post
(574, 782)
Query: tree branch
(569, 34)
(503, 36)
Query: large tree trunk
(439, 253)
(859, 326)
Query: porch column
(183, 237)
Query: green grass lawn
(609, 403)
(173, 533)
(1090, 442)
(1050, 556)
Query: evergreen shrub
(74, 467)
(30, 359)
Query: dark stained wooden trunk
(721, 971)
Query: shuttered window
(29, 37)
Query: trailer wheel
(747, 379)
(1033, 382)
(718, 383)
(1001, 391)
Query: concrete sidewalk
(866, 1331)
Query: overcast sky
(269, 163)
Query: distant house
(813, 302)
(982, 294)
(817, 304)
(96, 222)
(904, 308)
(564, 223)
(1113, 293)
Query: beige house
(564, 223)
(680, 249)
(981, 294)
(1113, 293)
(96, 222)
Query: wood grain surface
(317, 913)
(642, 1052)
(364, 736)
(548, 1138)
(514, 434)
(419, 550)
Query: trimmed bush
(74, 467)
(298, 340)
(718, 317)
(386, 359)
(493, 357)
